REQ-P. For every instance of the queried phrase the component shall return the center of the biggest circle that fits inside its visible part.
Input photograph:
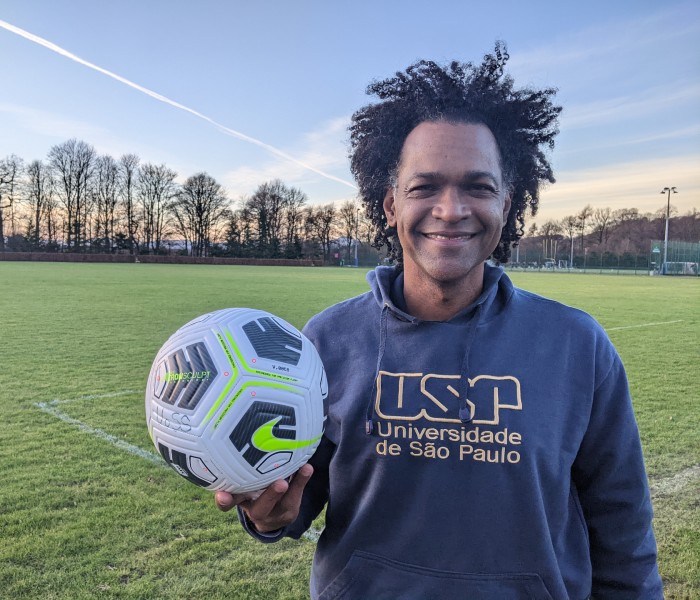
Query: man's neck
(431, 300)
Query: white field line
(91, 397)
(675, 483)
(312, 534)
(101, 434)
(643, 325)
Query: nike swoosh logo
(265, 440)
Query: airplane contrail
(232, 132)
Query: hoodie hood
(386, 285)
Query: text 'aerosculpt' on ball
(236, 399)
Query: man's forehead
(435, 146)
(441, 133)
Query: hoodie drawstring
(466, 413)
(369, 421)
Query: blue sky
(290, 74)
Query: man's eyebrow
(468, 177)
(426, 175)
(472, 175)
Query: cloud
(675, 134)
(660, 98)
(625, 185)
(596, 49)
(50, 124)
(57, 128)
(325, 148)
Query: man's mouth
(449, 236)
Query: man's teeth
(438, 236)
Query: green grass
(81, 518)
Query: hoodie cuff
(265, 538)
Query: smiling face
(449, 203)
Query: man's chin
(457, 273)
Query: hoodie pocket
(368, 576)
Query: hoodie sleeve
(612, 485)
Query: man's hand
(276, 507)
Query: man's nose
(452, 205)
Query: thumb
(224, 501)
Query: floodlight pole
(668, 211)
(357, 234)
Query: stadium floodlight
(668, 211)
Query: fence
(156, 258)
(678, 258)
(588, 262)
(683, 258)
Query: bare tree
(625, 227)
(155, 188)
(687, 227)
(349, 222)
(583, 217)
(72, 165)
(570, 226)
(40, 202)
(296, 199)
(128, 178)
(106, 182)
(267, 206)
(602, 219)
(247, 221)
(234, 233)
(365, 229)
(199, 207)
(623, 215)
(10, 171)
(319, 225)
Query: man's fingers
(297, 485)
(276, 507)
(286, 507)
(224, 501)
(265, 504)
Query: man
(480, 441)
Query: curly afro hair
(523, 122)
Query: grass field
(88, 511)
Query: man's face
(449, 203)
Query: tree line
(76, 200)
(603, 231)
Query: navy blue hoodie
(494, 456)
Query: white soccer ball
(236, 399)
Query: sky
(252, 91)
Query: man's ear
(389, 207)
(506, 207)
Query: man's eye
(421, 191)
(481, 189)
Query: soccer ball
(236, 399)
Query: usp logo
(411, 396)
